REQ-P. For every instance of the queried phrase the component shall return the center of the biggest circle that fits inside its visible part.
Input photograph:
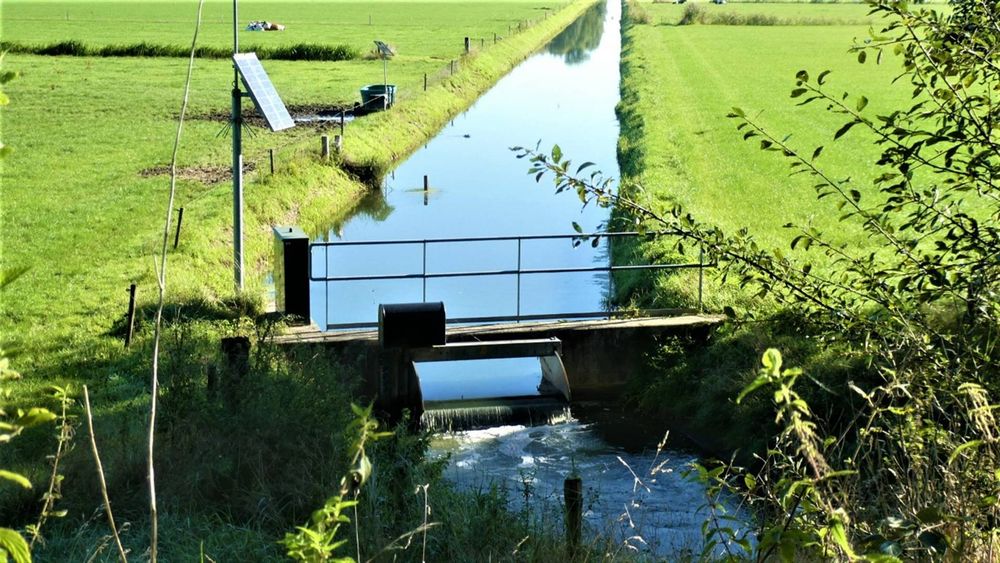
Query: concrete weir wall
(600, 356)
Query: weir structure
(583, 355)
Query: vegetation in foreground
(898, 460)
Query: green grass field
(417, 29)
(682, 81)
(81, 214)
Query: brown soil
(251, 117)
(206, 174)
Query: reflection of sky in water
(664, 510)
(480, 189)
(474, 379)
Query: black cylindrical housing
(411, 325)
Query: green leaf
(753, 386)
(15, 477)
(930, 515)
(556, 153)
(772, 360)
(35, 416)
(14, 545)
(839, 536)
(802, 76)
(817, 152)
(798, 92)
(862, 56)
(933, 541)
(862, 101)
(968, 445)
(844, 129)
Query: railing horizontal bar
(539, 317)
(481, 273)
(484, 239)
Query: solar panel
(383, 49)
(262, 92)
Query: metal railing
(517, 272)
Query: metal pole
(518, 279)
(424, 277)
(177, 235)
(326, 284)
(130, 317)
(237, 162)
(385, 83)
(701, 277)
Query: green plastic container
(372, 95)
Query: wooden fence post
(573, 496)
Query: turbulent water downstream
(635, 496)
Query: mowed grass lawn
(77, 209)
(689, 77)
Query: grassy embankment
(80, 213)
(679, 82)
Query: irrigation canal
(565, 94)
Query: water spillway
(565, 94)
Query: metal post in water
(573, 497)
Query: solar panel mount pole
(237, 161)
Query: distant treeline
(297, 52)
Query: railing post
(518, 279)
(326, 284)
(701, 277)
(291, 271)
(423, 277)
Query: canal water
(566, 95)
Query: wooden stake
(573, 496)
(325, 150)
(180, 219)
(271, 154)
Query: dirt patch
(207, 174)
(296, 111)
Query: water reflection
(476, 188)
(582, 36)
